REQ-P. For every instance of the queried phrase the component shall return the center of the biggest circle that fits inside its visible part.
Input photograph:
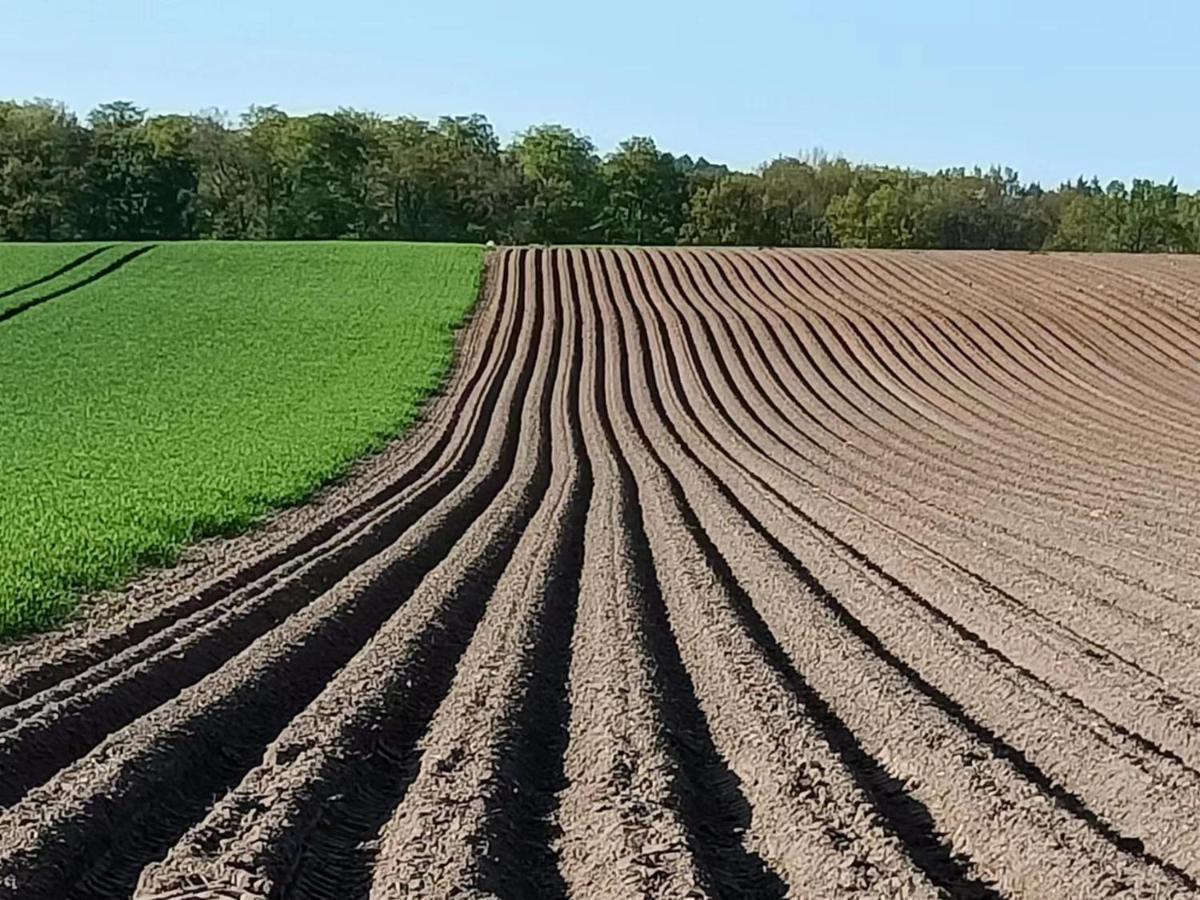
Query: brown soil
(712, 574)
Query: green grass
(196, 388)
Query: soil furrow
(893, 448)
(306, 821)
(731, 397)
(835, 840)
(492, 758)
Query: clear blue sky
(1053, 88)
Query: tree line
(121, 174)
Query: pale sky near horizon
(1053, 89)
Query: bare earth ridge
(712, 574)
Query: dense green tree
(327, 165)
(560, 171)
(403, 176)
(140, 181)
(1188, 216)
(483, 185)
(1084, 224)
(226, 203)
(645, 194)
(796, 198)
(1149, 223)
(270, 139)
(879, 210)
(43, 151)
(727, 211)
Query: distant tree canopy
(124, 175)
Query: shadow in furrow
(83, 282)
(711, 804)
(339, 848)
(860, 557)
(903, 814)
(1065, 799)
(339, 857)
(61, 270)
(1060, 795)
(522, 827)
(229, 738)
(707, 793)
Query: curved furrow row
(713, 574)
(1181, 526)
(1138, 338)
(928, 378)
(980, 601)
(812, 818)
(1166, 286)
(907, 459)
(794, 620)
(753, 420)
(1048, 393)
(868, 358)
(894, 606)
(772, 467)
(892, 447)
(1066, 321)
(1109, 567)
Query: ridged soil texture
(712, 574)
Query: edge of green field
(155, 400)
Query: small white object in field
(490, 245)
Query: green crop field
(154, 395)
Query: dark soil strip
(83, 282)
(522, 827)
(339, 853)
(338, 861)
(710, 802)
(906, 817)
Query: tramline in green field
(154, 395)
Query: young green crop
(197, 387)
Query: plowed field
(712, 574)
